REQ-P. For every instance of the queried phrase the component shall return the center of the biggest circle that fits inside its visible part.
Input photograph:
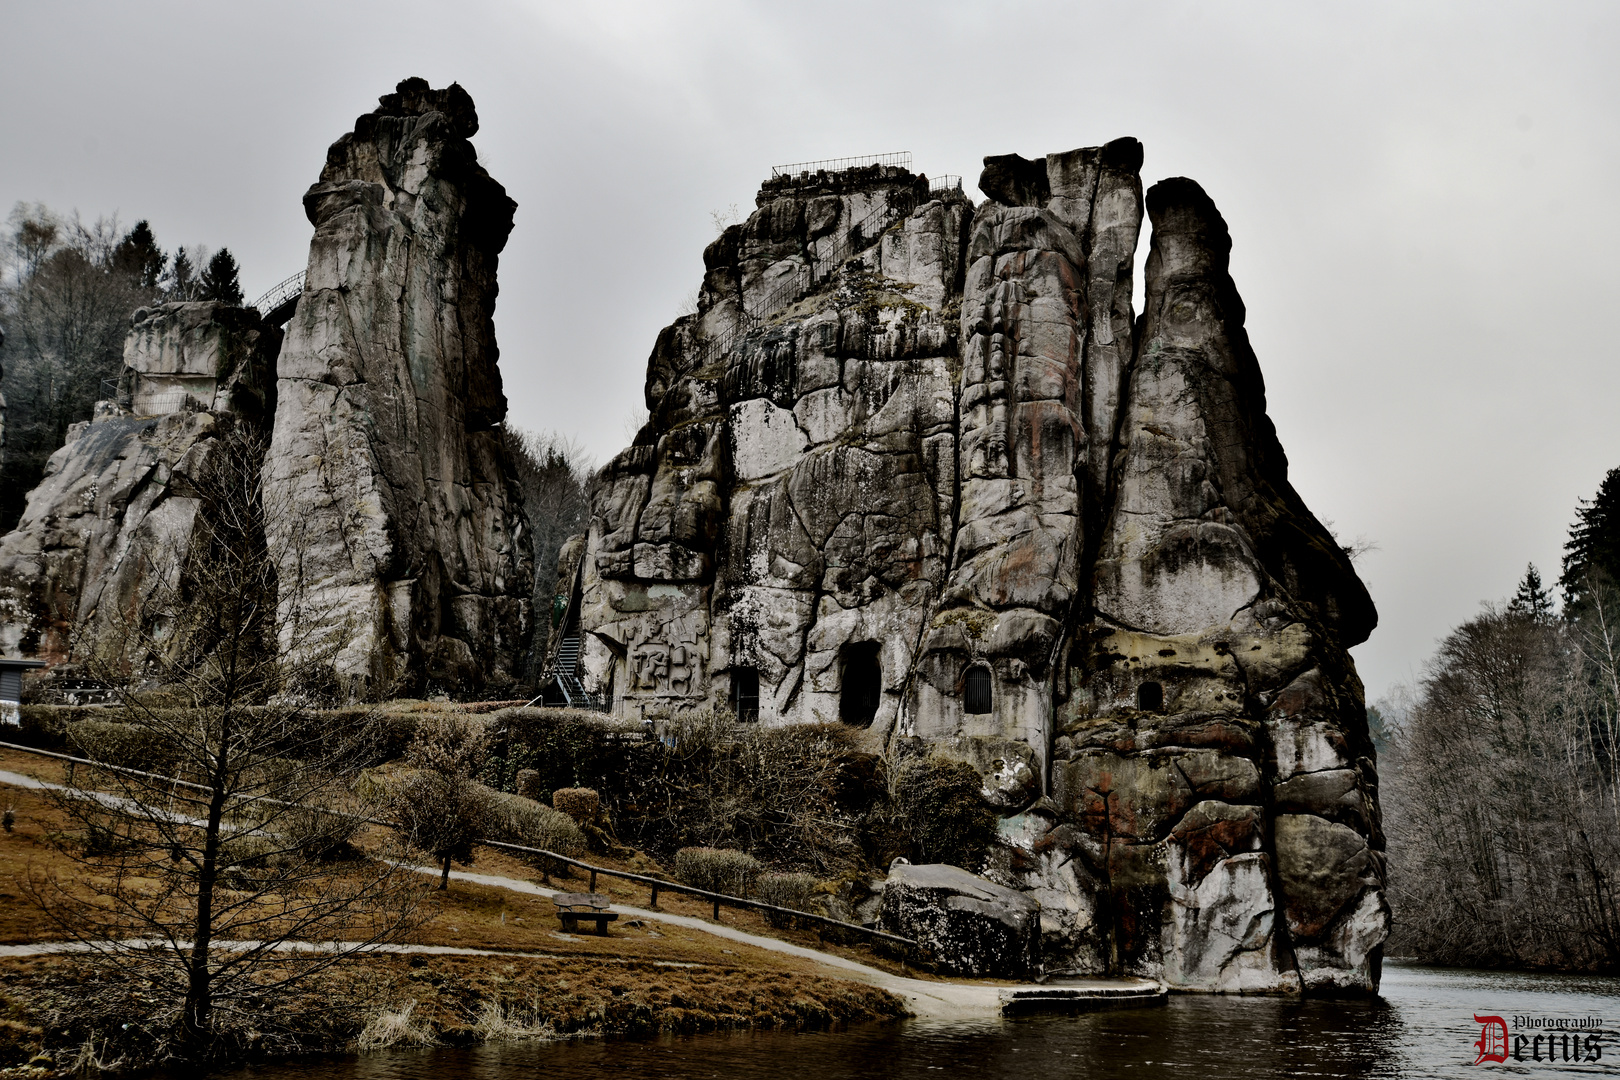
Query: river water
(1423, 1026)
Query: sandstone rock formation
(400, 513)
(919, 467)
(401, 546)
(965, 924)
(112, 515)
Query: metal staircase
(566, 670)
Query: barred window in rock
(976, 690)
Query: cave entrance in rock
(745, 694)
(862, 683)
(1150, 697)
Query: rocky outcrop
(113, 516)
(918, 466)
(964, 924)
(398, 504)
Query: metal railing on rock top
(947, 182)
(900, 159)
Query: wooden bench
(572, 907)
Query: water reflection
(1423, 1027)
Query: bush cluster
(790, 890)
(580, 803)
(801, 797)
(513, 819)
(721, 870)
(130, 746)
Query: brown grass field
(643, 977)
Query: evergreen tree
(1592, 555)
(139, 258)
(1379, 729)
(181, 281)
(1532, 598)
(219, 280)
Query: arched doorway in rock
(862, 683)
(978, 690)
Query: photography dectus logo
(1559, 1039)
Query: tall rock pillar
(397, 519)
(1213, 757)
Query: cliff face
(112, 516)
(386, 451)
(957, 494)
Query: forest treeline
(1501, 773)
(67, 291)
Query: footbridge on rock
(276, 307)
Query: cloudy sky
(1422, 196)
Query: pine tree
(219, 281)
(138, 257)
(182, 277)
(1592, 555)
(1532, 598)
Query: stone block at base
(965, 924)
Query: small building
(11, 671)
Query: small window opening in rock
(1150, 697)
(862, 684)
(976, 690)
(745, 694)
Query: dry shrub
(788, 891)
(527, 784)
(942, 813)
(394, 1027)
(516, 820)
(720, 870)
(579, 803)
(131, 746)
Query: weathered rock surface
(956, 492)
(965, 924)
(112, 517)
(401, 515)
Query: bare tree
(207, 882)
(553, 473)
(66, 295)
(1500, 796)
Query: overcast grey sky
(1422, 197)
